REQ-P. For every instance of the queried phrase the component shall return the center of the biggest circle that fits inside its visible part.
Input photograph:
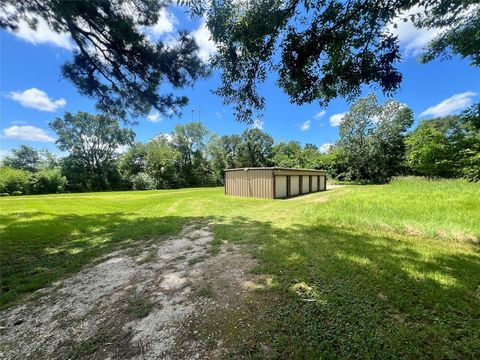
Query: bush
(48, 182)
(4, 194)
(14, 180)
(143, 181)
(16, 193)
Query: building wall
(251, 183)
(273, 183)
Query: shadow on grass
(348, 294)
(337, 292)
(39, 249)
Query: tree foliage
(445, 147)
(48, 181)
(254, 149)
(372, 139)
(323, 49)
(23, 158)
(92, 142)
(460, 20)
(113, 61)
(14, 180)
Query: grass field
(380, 271)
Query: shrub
(4, 194)
(16, 193)
(143, 181)
(14, 180)
(48, 182)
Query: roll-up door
(305, 184)
(314, 183)
(294, 185)
(280, 186)
(322, 183)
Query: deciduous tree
(92, 142)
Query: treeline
(374, 146)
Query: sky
(33, 93)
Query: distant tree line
(373, 147)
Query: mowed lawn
(380, 271)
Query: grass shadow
(346, 293)
(337, 292)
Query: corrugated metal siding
(280, 186)
(249, 183)
(261, 183)
(236, 183)
(305, 184)
(270, 182)
(294, 185)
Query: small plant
(90, 345)
(139, 307)
(205, 291)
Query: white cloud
(27, 133)
(336, 119)
(258, 124)
(451, 105)
(319, 114)
(166, 136)
(165, 24)
(325, 148)
(37, 99)
(414, 40)
(18, 122)
(154, 117)
(306, 125)
(43, 35)
(203, 38)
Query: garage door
(280, 186)
(322, 183)
(294, 185)
(305, 184)
(314, 183)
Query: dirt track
(132, 304)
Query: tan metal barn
(273, 182)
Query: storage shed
(273, 182)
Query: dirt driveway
(133, 304)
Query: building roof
(274, 169)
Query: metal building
(273, 182)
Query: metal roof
(274, 168)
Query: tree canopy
(445, 147)
(113, 61)
(92, 142)
(322, 50)
(372, 139)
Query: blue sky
(33, 92)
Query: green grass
(377, 271)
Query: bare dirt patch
(131, 306)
